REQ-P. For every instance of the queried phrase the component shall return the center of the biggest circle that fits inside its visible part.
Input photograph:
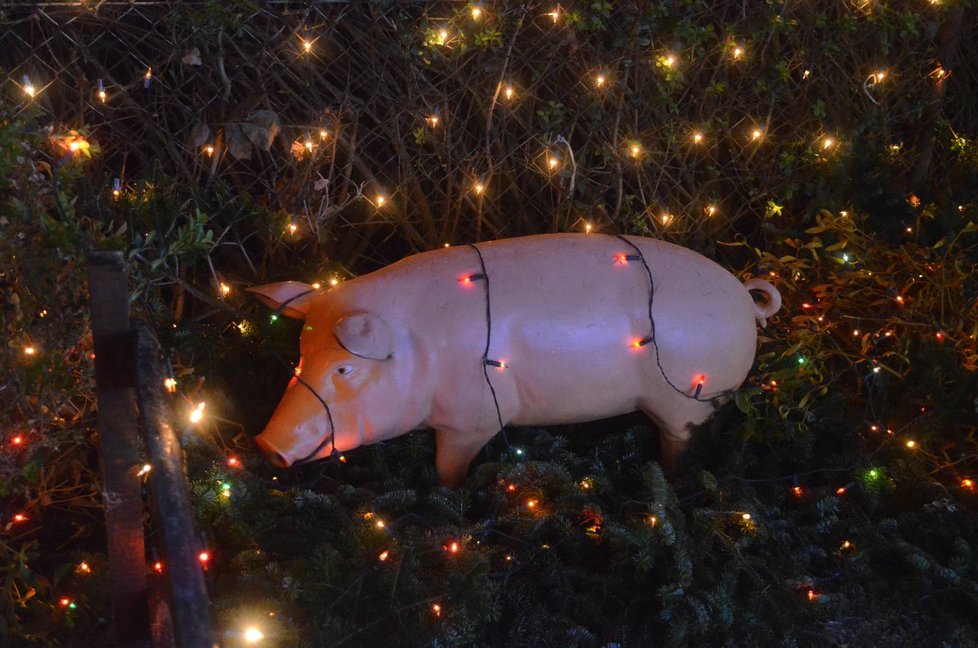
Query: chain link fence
(378, 129)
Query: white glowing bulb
(600, 80)
(317, 286)
(323, 133)
(442, 36)
(555, 14)
(145, 469)
(29, 350)
(197, 413)
(476, 12)
(737, 52)
(666, 218)
(306, 45)
(670, 60)
(225, 289)
(697, 138)
(878, 76)
(29, 89)
(209, 150)
(334, 281)
(293, 228)
(478, 187)
(827, 143)
(308, 143)
(756, 134)
(552, 162)
(634, 150)
(587, 228)
(380, 200)
(253, 635)
(711, 210)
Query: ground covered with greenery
(832, 149)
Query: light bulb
(253, 635)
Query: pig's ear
(365, 335)
(291, 297)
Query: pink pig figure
(537, 330)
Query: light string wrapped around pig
(538, 330)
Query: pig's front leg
(454, 452)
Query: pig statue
(537, 330)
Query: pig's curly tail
(773, 304)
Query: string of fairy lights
(552, 161)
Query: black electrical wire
(485, 354)
(652, 338)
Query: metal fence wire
(404, 126)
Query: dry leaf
(238, 143)
(262, 128)
(199, 134)
(191, 57)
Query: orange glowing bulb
(158, 567)
(436, 609)
(384, 555)
(967, 483)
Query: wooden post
(118, 449)
(189, 607)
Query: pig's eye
(344, 370)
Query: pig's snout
(276, 457)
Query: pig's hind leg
(674, 421)
(455, 451)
